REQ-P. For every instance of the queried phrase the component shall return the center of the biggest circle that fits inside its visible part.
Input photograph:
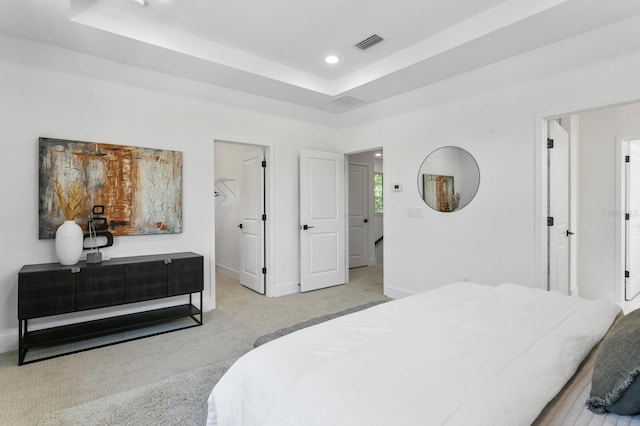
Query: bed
(462, 354)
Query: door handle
(240, 226)
(305, 227)
(570, 233)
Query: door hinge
(264, 163)
(264, 270)
(627, 216)
(626, 274)
(264, 217)
(549, 221)
(627, 159)
(549, 143)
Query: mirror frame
(443, 183)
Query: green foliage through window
(377, 192)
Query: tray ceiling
(276, 49)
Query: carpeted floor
(178, 401)
(131, 370)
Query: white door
(252, 226)
(559, 232)
(358, 215)
(632, 261)
(322, 220)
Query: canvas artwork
(438, 192)
(140, 188)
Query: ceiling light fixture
(332, 59)
(378, 154)
(141, 2)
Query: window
(377, 192)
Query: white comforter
(463, 354)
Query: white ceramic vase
(69, 241)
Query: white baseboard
(232, 273)
(279, 290)
(397, 293)
(208, 305)
(9, 341)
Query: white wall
(497, 114)
(597, 209)
(52, 92)
(491, 239)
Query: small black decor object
(94, 256)
(100, 237)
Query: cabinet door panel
(145, 281)
(97, 287)
(45, 293)
(185, 275)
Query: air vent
(346, 101)
(368, 42)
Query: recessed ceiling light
(378, 154)
(141, 2)
(332, 59)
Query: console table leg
(193, 317)
(21, 351)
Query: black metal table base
(120, 329)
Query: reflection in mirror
(448, 179)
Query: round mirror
(448, 179)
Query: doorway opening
(562, 192)
(240, 194)
(629, 163)
(588, 204)
(366, 216)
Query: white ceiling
(276, 49)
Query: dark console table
(50, 289)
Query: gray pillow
(615, 386)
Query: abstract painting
(140, 188)
(438, 192)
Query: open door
(253, 221)
(322, 220)
(632, 222)
(358, 216)
(558, 205)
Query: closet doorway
(240, 210)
